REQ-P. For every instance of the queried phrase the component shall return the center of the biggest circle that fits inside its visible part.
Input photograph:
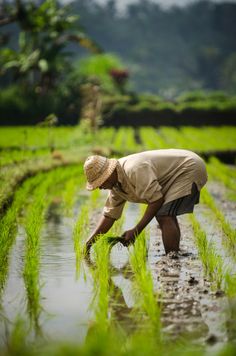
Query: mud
(188, 303)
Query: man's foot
(174, 255)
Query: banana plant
(46, 29)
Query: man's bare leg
(170, 232)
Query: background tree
(45, 31)
(166, 51)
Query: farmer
(168, 181)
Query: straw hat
(97, 170)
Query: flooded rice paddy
(189, 304)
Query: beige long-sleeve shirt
(147, 176)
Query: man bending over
(168, 181)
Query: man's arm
(150, 212)
(103, 226)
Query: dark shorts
(182, 205)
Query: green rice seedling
(131, 142)
(230, 233)
(102, 285)
(16, 156)
(212, 262)
(147, 299)
(68, 180)
(69, 194)
(38, 137)
(81, 228)
(124, 141)
(219, 171)
(17, 343)
(171, 136)
(8, 224)
(151, 140)
(230, 284)
(199, 139)
(80, 232)
(116, 229)
(208, 138)
(119, 140)
(105, 137)
(33, 226)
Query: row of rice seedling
(221, 172)
(8, 224)
(81, 227)
(102, 285)
(199, 139)
(103, 336)
(215, 269)
(208, 138)
(150, 139)
(12, 176)
(229, 232)
(147, 298)
(212, 262)
(80, 232)
(33, 226)
(104, 137)
(16, 156)
(69, 194)
(34, 220)
(33, 137)
(124, 140)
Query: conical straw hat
(97, 169)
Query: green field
(134, 301)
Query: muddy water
(66, 300)
(189, 305)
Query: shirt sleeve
(145, 183)
(114, 206)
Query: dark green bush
(24, 106)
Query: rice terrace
(121, 300)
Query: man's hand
(103, 226)
(129, 237)
(88, 245)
